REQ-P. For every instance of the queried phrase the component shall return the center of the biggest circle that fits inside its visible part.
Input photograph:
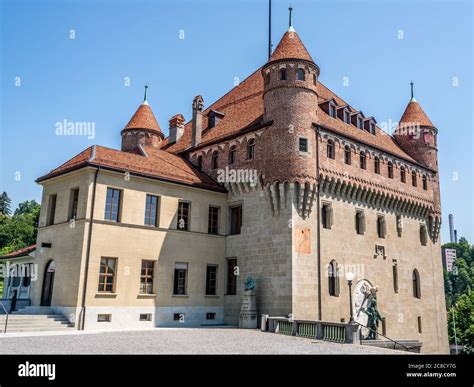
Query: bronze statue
(373, 315)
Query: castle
(156, 234)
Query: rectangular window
(384, 326)
(420, 330)
(112, 205)
(211, 280)
(381, 229)
(303, 144)
(213, 222)
(326, 216)
(235, 220)
(423, 235)
(399, 225)
(395, 278)
(145, 317)
(151, 210)
(360, 222)
(146, 277)
(51, 209)
(107, 275)
(180, 274)
(210, 316)
(73, 203)
(183, 216)
(104, 318)
(231, 276)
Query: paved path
(177, 341)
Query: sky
(87, 61)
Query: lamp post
(349, 278)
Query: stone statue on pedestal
(248, 311)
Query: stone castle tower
(142, 129)
(417, 136)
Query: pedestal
(248, 311)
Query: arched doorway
(48, 281)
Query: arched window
(251, 149)
(282, 74)
(301, 75)
(333, 279)
(331, 153)
(199, 163)
(413, 179)
(390, 170)
(347, 154)
(327, 218)
(363, 160)
(315, 79)
(377, 165)
(425, 183)
(403, 176)
(416, 284)
(232, 154)
(215, 160)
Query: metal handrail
(408, 349)
(6, 319)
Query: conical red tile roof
(290, 47)
(414, 115)
(144, 119)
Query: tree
(458, 286)
(464, 321)
(5, 203)
(19, 230)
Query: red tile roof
(20, 252)
(157, 164)
(243, 105)
(290, 47)
(144, 119)
(414, 115)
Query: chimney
(451, 229)
(176, 128)
(198, 106)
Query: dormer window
(332, 110)
(372, 127)
(213, 118)
(360, 123)
(301, 75)
(282, 74)
(347, 117)
(369, 125)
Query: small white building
(18, 271)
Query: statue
(373, 314)
(250, 283)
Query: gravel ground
(177, 341)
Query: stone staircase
(31, 319)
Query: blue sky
(185, 48)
